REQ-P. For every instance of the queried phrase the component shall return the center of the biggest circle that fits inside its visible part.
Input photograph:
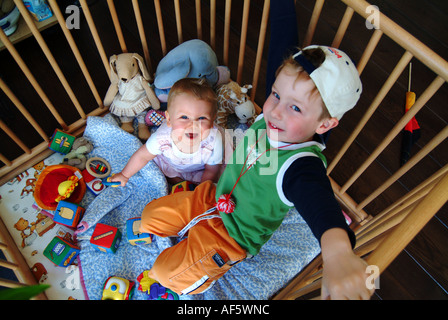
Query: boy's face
(293, 108)
(191, 120)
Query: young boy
(312, 90)
(188, 146)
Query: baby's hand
(119, 177)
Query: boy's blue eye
(276, 95)
(202, 118)
(184, 117)
(295, 108)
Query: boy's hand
(344, 273)
(119, 177)
(344, 277)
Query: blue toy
(107, 182)
(134, 236)
(191, 59)
(68, 214)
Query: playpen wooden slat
(261, 40)
(313, 23)
(213, 24)
(343, 25)
(368, 51)
(116, 22)
(13, 255)
(420, 103)
(198, 19)
(95, 35)
(244, 23)
(76, 52)
(405, 201)
(14, 137)
(8, 265)
(403, 234)
(404, 39)
(48, 54)
(396, 72)
(4, 87)
(160, 26)
(15, 54)
(228, 11)
(180, 37)
(141, 32)
(442, 135)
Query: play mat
(288, 251)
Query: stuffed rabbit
(129, 95)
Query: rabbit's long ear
(142, 66)
(113, 69)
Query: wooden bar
(343, 25)
(29, 21)
(34, 83)
(141, 32)
(198, 19)
(245, 20)
(76, 52)
(228, 12)
(426, 95)
(401, 65)
(95, 35)
(180, 37)
(160, 26)
(116, 22)
(368, 51)
(313, 23)
(261, 39)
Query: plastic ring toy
(98, 167)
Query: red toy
(105, 238)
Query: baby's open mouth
(191, 135)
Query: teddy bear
(130, 95)
(233, 99)
(26, 231)
(76, 157)
(190, 59)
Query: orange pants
(208, 252)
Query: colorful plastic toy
(107, 182)
(116, 288)
(105, 238)
(153, 289)
(61, 142)
(98, 167)
(133, 234)
(61, 252)
(183, 186)
(95, 185)
(68, 214)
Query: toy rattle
(98, 167)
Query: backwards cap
(337, 79)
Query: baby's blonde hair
(199, 88)
(316, 56)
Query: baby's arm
(344, 273)
(211, 172)
(137, 161)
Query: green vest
(260, 202)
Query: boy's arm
(137, 161)
(306, 185)
(344, 273)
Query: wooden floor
(421, 271)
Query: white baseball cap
(337, 79)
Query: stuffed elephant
(191, 59)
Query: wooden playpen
(384, 222)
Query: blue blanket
(290, 249)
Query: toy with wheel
(117, 288)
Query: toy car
(117, 288)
